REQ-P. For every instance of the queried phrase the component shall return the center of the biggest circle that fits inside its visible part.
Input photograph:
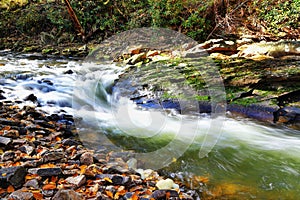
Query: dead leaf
(82, 169)
(2, 190)
(109, 194)
(38, 196)
(49, 165)
(53, 179)
(6, 128)
(108, 179)
(49, 187)
(134, 196)
(10, 189)
(31, 176)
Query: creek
(241, 158)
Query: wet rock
(24, 76)
(115, 168)
(26, 149)
(53, 155)
(77, 180)
(12, 176)
(120, 180)
(32, 184)
(287, 115)
(67, 195)
(70, 142)
(46, 81)
(164, 194)
(31, 163)
(68, 72)
(8, 122)
(31, 98)
(20, 195)
(2, 96)
(5, 140)
(44, 124)
(87, 158)
(8, 155)
(55, 171)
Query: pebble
(53, 155)
(164, 194)
(86, 158)
(20, 195)
(77, 180)
(67, 195)
(32, 184)
(55, 171)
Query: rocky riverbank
(261, 79)
(42, 158)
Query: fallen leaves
(49, 187)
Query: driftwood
(75, 20)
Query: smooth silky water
(250, 160)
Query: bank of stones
(42, 158)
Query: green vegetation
(23, 19)
(278, 15)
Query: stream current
(250, 160)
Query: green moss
(246, 101)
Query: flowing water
(250, 160)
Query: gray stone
(26, 149)
(119, 180)
(70, 142)
(87, 158)
(8, 122)
(5, 140)
(49, 171)
(67, 195)
(162, 194)
(53, 155)
(33, 183)
(20, 195)
(77, 180)
(19, 141)
(8, 155)
(12, 176)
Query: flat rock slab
(5, 140)
(56, 171)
